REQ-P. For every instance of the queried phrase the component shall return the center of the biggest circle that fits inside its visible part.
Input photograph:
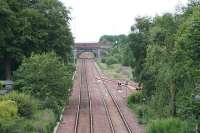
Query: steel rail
(116, 104)
(107, 111)
(90, 101)
(78, 108)
(83, 72)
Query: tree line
(164, 53)
(28, 26)
(36, 53)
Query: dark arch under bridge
(98, 49)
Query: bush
(51, 103)
(169, 125)
(135, 98)
(1, 85)
(8, 115)
(26, 104)
(44, 76)
(111, 60)
(103, 60)
(41, 121)
(44, 121)
(8, 110)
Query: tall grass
(168, 125)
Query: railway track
(107, 111)
(116, 105)
(84, 101)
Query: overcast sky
(93, 18)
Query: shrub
(41, 121)
(44, 76)
(26, 104)
(1, 85)
(111, 60)
(8, 110)
(8, 115)
(44, 121)
(51, 103)
(135, 98)
(169, 125)
(103, 60)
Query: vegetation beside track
(166, 64)
(163, 52)
(28, 26)
(41, 90)
(116, 71)
(36, 53)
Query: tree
(46, 77)
(188, 51)
(138, 45)
(116, 40)
(119, 47)
(166, 53)
(138, 41)
(33, 26)
(160, 62)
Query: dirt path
(102, 108)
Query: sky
(93, 18)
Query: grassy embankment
(116, 71)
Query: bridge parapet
(97, 48)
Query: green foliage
(52, 103)
(20, 113)
(142, 24)
(127, 57)
(117, 40)
(144, 113)
(119, 52)
(113, 57)
(45, 77)
(138, 42)
(33, 26)
(187, 52)
(111, 60)
(26, 104)
(169, 125)
(135, 98)
(8, 115)
(8, 110)
(43, 121)
(1, 85)
(166, 62)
